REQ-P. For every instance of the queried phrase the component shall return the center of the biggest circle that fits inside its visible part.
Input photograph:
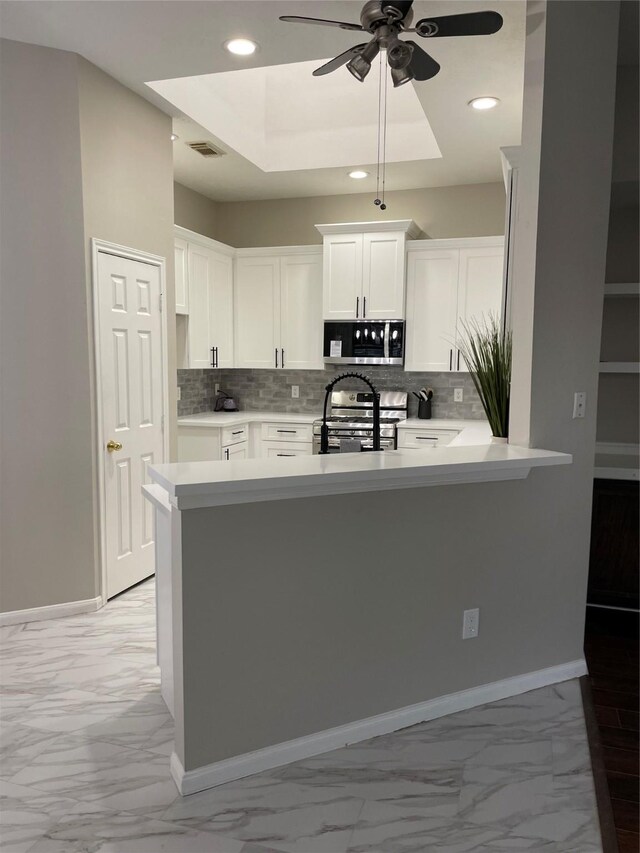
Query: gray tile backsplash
(270, 390)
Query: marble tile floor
(86, 739)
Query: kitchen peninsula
(311, 602)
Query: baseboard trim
(192, 781)
(50, 611)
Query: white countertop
(472, 432)
(198, 484)
(222, 419)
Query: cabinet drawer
(287, 432)
(273, 449)
(234, 434)
(418, 438)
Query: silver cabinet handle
(226, 452)
(426, 438)
(357, 307)
(292, 431)
(285, 454)
(276, 356)
(450, 359)
(213, 356)
(282, 359)
(239, 432)
(458, 367)
(364, 308)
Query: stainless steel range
(351, 421)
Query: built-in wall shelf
(617, 461)
(620, 367)
(624, 289)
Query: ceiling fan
(386, 20)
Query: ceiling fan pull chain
(377, 198)
(383, 206)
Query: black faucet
(324, 430)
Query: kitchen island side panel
(301, 615)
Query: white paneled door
(130, 371)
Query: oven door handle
(387, 333)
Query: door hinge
(160, 302)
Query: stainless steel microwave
(364, 341)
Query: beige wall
(475, 210)
(195, 211)
(47, 537)
(82, 157)
(355, 637)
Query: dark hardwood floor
(611, 650)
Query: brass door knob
(113, 445)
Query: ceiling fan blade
(467, 24)
(297, 19)
(422, 66)
(339, 60)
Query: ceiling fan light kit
(386, 20)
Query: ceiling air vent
(205, 148)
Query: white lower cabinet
(236, 451)
(417, 438)
(272, 449)
(449, 283)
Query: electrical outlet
(179, 393)
(579, 404)
(470, 624)
(216, 388)
(295, 391)
(458, 395)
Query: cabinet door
(199, 337)
(221, 309)
(383, 276)
(257, 312)
(480, 281)
(301, 312)
(236, 451)
(181, 280)
(432, 295)
(342, 276)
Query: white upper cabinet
(278, 310)
(221, 309)
(181, 286)
(198, 337)
(301, 311)
(342, 288)
(204, 289)
(257, 312)
(449, 282)
(364, 270)
(480, 282)
(383, 273)
(432, 304)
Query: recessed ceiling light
(174, 137)
(484, 103)
(241, 47)
(358, 174)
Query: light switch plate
(579, 404)
(179, 393)
(295, 391)
(458, 395)
(470, 624)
